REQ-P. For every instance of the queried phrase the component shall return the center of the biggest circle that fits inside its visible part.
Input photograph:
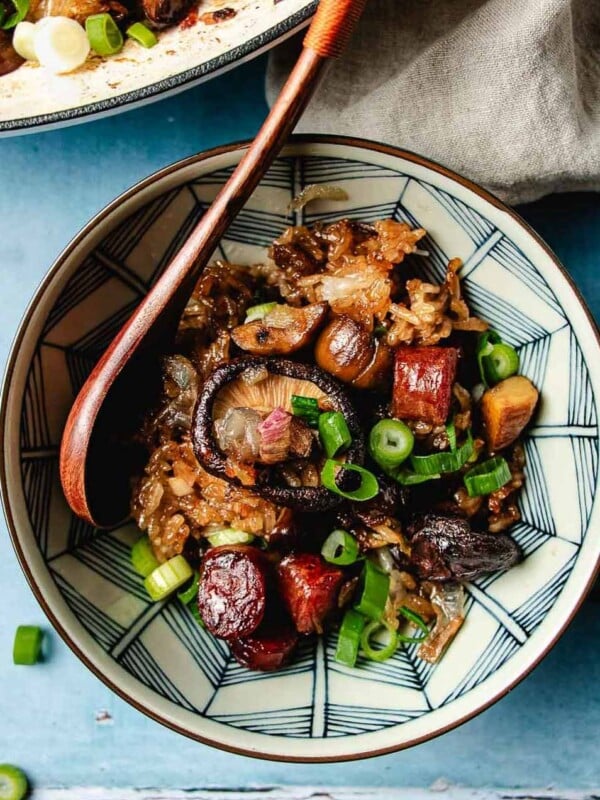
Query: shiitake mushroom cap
(213, 460)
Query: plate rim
(306, 139)
(165, 87)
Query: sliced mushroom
(283, 330)
(377, 374)
(347, 350)
(445, 548)
(226, 389)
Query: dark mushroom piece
(445, 548)
(9, 58)
(226, 389)
(283, 330)
(165, 12)
(347, 350)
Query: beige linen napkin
(506, 92)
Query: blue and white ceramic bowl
(155, 655)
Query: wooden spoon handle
(332, 26)
(155, 318)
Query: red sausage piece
(423, 378)
(270, 647)
(232, 590)
(309, 588)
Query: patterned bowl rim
(22, 331)
(166, 86)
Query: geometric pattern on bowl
(160, 645)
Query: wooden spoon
(97, 454)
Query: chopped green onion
(390, 443)
(418, 622)
(334, 432)
(437, 463)
(13, 783)
(143, 559)
(258, 312)
(187, 596)
(195, 611)
(487, 477)
(374, 590)
(451, 434)
(407, 478)
(349, 638)
(141, 34)
(27, 646)
(229, 536)
(380, 330)
(379, 653)
(340, 548)
(167, 578)
(368, 487)
(307, 408)
(103, 34)
(21, 9)
(501, 363)
(485, 344)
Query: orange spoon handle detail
(332, 26)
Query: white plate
(31, 98)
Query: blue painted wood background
(58, 721)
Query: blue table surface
(544, 733)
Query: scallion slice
(19, 14)
(451, 434)
(141, 34)
(307, 408)
(437, 463)
(195, 611)
(340, 548)
(391, 442)
(190, 593)
(407, 478)
(373, 592)
(487, 477)
(334, 433)
(27, 646)
(379, 653)
(229, 536)
(258, 312)
(143, 559)
(349, 638)
(418, 622)
(103, 34)
(331, 472)
(13, 783)
(167, 578)
(501, 363)
(485, 344)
